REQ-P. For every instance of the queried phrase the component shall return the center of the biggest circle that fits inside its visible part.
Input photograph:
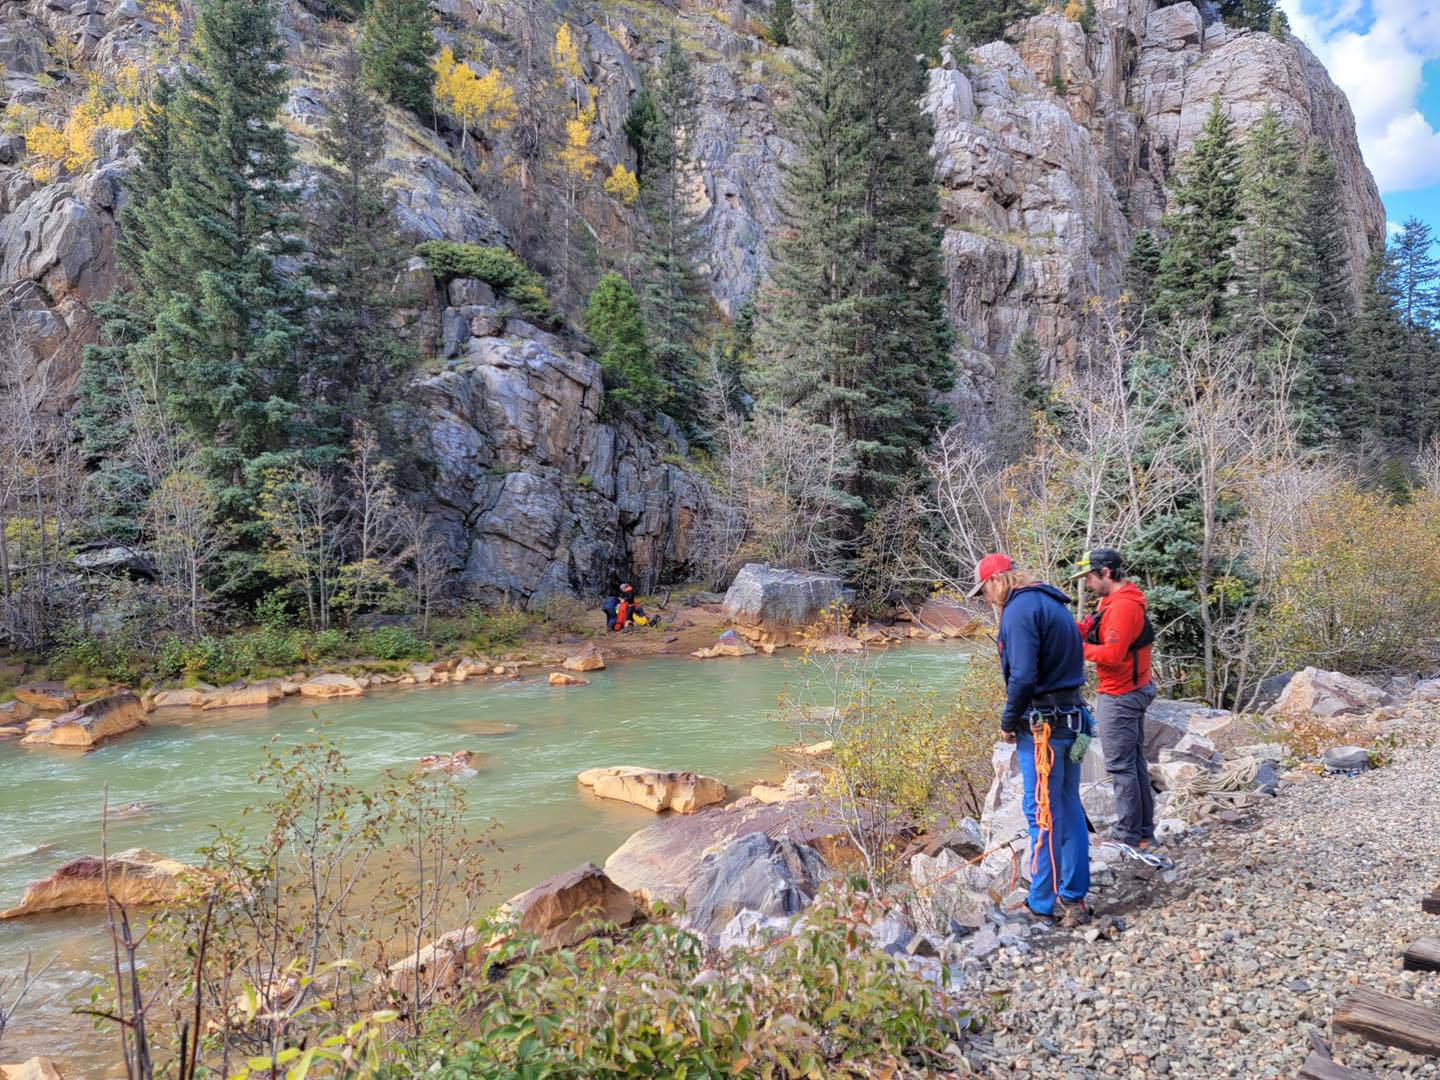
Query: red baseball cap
(987, 568)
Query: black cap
(1098, 559)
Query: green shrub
(100, 658)
(495, 266)
(811, 1005)
(498, 629)
(393, 643)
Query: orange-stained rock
(47, 697)
(559, 678)
(88, 725)
(137, 877)
(567, 908)
(587, 659)
(654, 789)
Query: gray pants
(1122, 733)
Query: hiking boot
(1072, 913)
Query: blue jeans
(1069, 840)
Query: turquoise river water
(717, 717)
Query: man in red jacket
(1117, 641)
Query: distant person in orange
(622, 611)
(1118, 641)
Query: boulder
(559, 678)
(37, 1068)
(775, 605)
(11, 731)
(1223, 730)
(729, 644)
(823, 749)
(183, 698)
(46, 696)
(15, 712)
(660, 862)
(948, 887)
(1174, 773)
(774, 877)
(136, 877)
(421, 673)
(1327, 694)
(1002, 818)
(566, 909)
(1174, 27)
(460, 763)
(948, 617)
(1346, 758)
(239, 694)
(330, 685)
(88, 725)
(796, 785)
(587, 659)
(750, 929)
(438, 970)
(1166, 723)
(654, 789)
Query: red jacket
(1122, 617)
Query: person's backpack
(1144, 638)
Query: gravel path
(1227, 970)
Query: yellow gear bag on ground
(641, 620)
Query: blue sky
(1385, 55)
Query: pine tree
(674, 307)
(1271, 268)
(1376, 398)
(1250, 14)
(1332, 297)
(396, 43)
(982, 21)
(357, 359)
(639, 122)
(782, 13)
(614, 323)
(1021, 396)
(1142, 268)
(1416, 274)
(1196, 269)
(225, 340)
(854, 332)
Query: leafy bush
(393, 643)
(495, 266)
(566, 613)
(498, 629)
(100, 658)
(648, 1004)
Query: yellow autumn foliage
(70, 147)
(622, 184)
(566, 55)
(577, 158)
(473, 100)
(1074, 10)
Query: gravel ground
(1228, 969)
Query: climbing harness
(1149, 858)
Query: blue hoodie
(1040, 650)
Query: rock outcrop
(774, 606)
(566, 909)
(1327, 694)
(46, 697)
(88, 725)
(654, 789)
(752, 873)
(136, 876)
(438, 970)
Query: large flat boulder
(1327, 694)
(15, 712)
(654, 789)
(241, 695)
(46, 696)
(182, 698)
(137, 877)
(37, 1068)
(88, 725)
(566, 909)
(331, 685)
(588, 658)
(948, 617)
(755, 872)
(438, 970)
(772, 605)
(660, 862)
(729, 644)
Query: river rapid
(718, 717)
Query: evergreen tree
(782, 12)
(855, 335)
(1142, 268)
(1196, 268)
(1250, 14)
(639, 123)
(1272, 268)
(226, 334)
(396, 44)
(357, 358)
(615, 325)
(1021, 395)
(674, 304)
(1333, 301)
(1376, 399)
(982, 21)
(1416, 274)
(143, 251)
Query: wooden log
(1319, 1067)
(1390, 1021)
(1424, 955)
(1431, 904)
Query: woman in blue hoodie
(1042, 660)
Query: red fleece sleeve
(1120, 627)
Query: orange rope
(1044, 819)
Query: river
(717, 717)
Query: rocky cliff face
(1050, 154)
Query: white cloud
(1377, 61)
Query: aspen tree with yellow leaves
(622, 184)
(472, 99)
(69, 146)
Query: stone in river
(654, 789)
(587, 659)
(137, 877)
(47, 697)
(227, 697)
(15, 712)
(460, 763)
(37, 1068)
(566, 909)
(560, 678)
(185, 697)
(91, 724)
(331, 685)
